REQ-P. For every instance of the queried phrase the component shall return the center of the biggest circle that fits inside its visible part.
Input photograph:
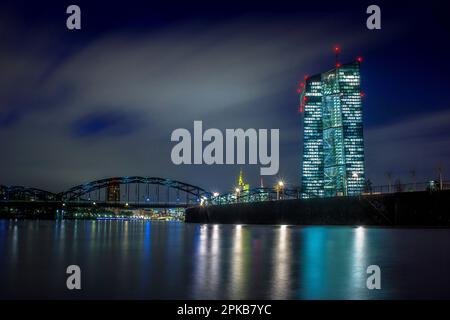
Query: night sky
(77, 106)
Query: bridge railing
(256, 195)
(192, 195)
(273, 194)
(397, 187)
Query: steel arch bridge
(20, 193)
(136, 191)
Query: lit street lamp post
(216, 197)
(280, 186)
(355, 176)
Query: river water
(174, 260)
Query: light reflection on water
(282, 263)
(144, 260)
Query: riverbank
(416, 209)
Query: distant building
(114, 192)
(243, 187)
(2, 192)
(333, 144)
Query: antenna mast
(337, 51)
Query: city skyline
(78, 106)
(227, 158)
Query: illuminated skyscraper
(333, 144)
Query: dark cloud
(9, 118)
(106, 123)
(239, 73)
(418, 143)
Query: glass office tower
(333, 145)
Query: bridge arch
(135, 189)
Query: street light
(203, 201)
(237, 194)
(279, 187)
(216, 197)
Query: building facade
(333, 143)
(113, 192)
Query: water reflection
(146, 268)
(14, 244)
(201, 245)
(282, 263)
(208, 262)
(359, 263)
(237, 259)
(313, 268)
(215, 258)
(143, 259)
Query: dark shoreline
(408, 209)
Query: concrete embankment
(421, 209)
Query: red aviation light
(359, 59)
(362, 94)
(303, 103)
(301, 87)
(337, 50)
(306, 77)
